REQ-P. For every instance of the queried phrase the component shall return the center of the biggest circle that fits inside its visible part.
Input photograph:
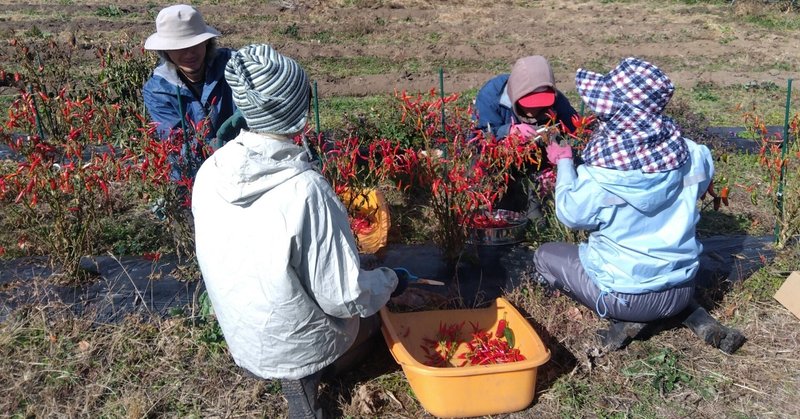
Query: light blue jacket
(644, 223)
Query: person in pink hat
(637, 193)
(522, 97)
(521, 101)
(188, 86)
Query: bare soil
(378, 46)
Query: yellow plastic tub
(469, 390)
(371, 203)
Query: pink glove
(557, 152)
(524, 131)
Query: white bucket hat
(178, 27)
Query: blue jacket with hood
(494, 110)
(644, 223)
(168, 99)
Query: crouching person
(637, 192)
(274, 243)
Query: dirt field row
(363, 47)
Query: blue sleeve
(163, 110)
(577, 198)
(488, 113)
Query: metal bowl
(496, 236)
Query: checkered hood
(633, 134)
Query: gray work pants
(560, 265)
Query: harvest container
(511, 233)
(469, 390)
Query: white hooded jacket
(279, 259)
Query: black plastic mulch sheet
(124, 286)
(135, 285)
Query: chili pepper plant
(779, 172)
(60, 186)
(356, 166)
(165, 178)
(461, 171)
(45, 66)
(80, 157)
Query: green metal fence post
(784, 147)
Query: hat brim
(538, 99)
(595, 90)
(158, 42)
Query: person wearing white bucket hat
(274, 243)
(637, 193)
(188, 86)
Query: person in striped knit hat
(274, 243)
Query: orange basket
(469, 390)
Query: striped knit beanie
(271, 90)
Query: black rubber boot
(547, 289)
(302, 397)
(620, 333)
(726, 339)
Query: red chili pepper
(501, 328)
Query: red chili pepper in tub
(501, 327)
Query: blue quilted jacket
(168, 99)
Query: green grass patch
(762, 285)
(112, 11)
(372, 65)
(775, 22)
(662, 370)
(720, 106)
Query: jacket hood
(646, 192)
(527, 75)
(252, 164)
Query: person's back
(643, 231)
(257, 209)
(637, 191)
(274, 244)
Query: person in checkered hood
(637, 191)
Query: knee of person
(538, 256)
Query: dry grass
(55, 364)
(761, 380)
